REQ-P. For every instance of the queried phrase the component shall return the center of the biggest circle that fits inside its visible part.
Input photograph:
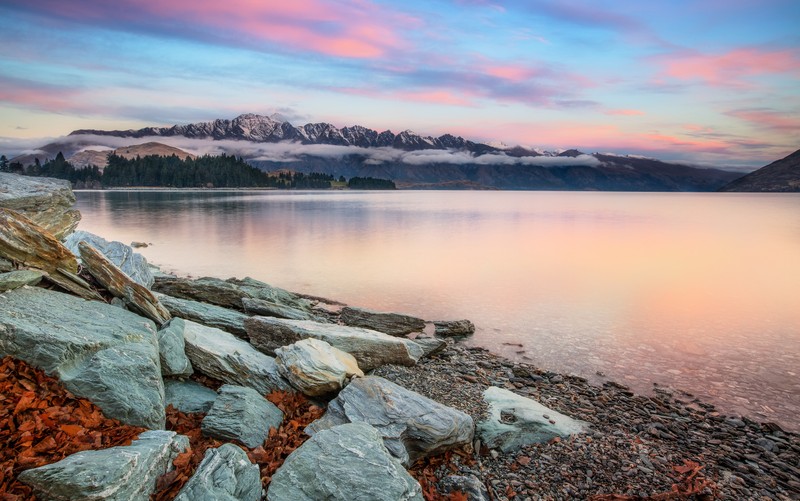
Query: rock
(45, 201)
(260, 290)
(412, 426)
(119, 473)
(25, 243)
(131, 263)
(188, 396)
(370, 348)
(314, 367)
(430, 346)
(172, 351)
(240, 413)
(222, 356)
(20, 278)
(454, 328)
(393, 324)
(139, 245)
(268, 309)
(206, 314)
(469, 485)
(515, 421)
(228, 293)
(98, 351)
(136, 297)
(6, 265)
(345, 463)
(225, 474)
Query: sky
(712, 82)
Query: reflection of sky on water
(698, 291)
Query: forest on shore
(223, 171)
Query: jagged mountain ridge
(780, 176)
(264, 129)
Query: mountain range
(409, 159)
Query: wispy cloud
(769, 119)
(728, 69)
(348, 29)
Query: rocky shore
(235, 389)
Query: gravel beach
(639, 446)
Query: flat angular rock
(225, 474)
(118, 473)
(371, 348)
(100, 352)
(393, 324)
(207, 314)
(123, 256)
(172, 349)
(47, 202)
(223, 356)
(228, 293)
(270, 309)
(469, 485)
(412, 426)
(188, 396)
(6, 265)
(314, 367)
(430, 345)
(20, 278)
(240, 413)
(136, 297)
(454, 328)
(516, 421)
(348, 462)
(26, 243)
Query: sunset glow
(704, 81)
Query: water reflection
(695, 291)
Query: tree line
(223, 171)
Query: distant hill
(85, 158)
(780, 176)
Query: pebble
(633, 446)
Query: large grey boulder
(223, 356)
(240, 413)
(100, 352)
(117, 474)
(314, 367)
(19, 278)
(47, 202)
(228, 293)
(225, 474)
(393, 324)
(207, 314)
(345, 463)
(123, 256)
(172, 349)
(371, 348)
(269, 309)
(412, 426)
(188, 396)
(515, 421)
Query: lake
(697, 292)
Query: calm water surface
(699, 292)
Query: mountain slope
(780, 176)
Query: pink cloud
(768, 119)
(26, 93)
(625, 112)
(350, 28)
(728, 68)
